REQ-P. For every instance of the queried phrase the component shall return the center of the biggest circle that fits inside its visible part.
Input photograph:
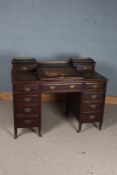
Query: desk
(85, 90)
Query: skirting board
(54, 97)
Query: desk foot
(15, 133)
(80, 127)
(39, 132)
(100, 126)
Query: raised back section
(83, 64)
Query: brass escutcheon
(24, 68)
(72, 86)
(52, 87)
(27, 89)
(92, 116)
(93, 106)
(85, 67)
(95, 86)
(27, 99)
(27, 109)
(27, 121)
(94, 96)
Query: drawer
(24, 67)
(85, 67)
(27, 122)
(27, 109)
(61, 87)
(93, 96)
(92, 106)
(26, 88)
(27, 99)
(91, 117)
(95, 86)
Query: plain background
(57, 29)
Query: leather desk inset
(85, 90)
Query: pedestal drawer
(95, 85)
(26, 88)
(27, 109)
(91, 117)
(92, 106)
(93, 96)
(27, 99)
(27, 122)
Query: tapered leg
(15, 132)
(100, 125)
(80, 127)
(67, 105)
(39, 132)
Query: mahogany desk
(85, 88)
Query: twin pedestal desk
(84, 87)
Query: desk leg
(67, 105)
(100, 125)
(80, 127)
(15, 132)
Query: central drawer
(61, 87)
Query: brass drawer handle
(52, 87)
(92, 116)
(24, 68)
(94, 96)
(95, 86)
(27, 99)
(27, 89)
(27, 109)
(85, 67)
(27, 121)
(72, 86)
(93, 106)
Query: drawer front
(95, 86)
(27, 122)
(27, 99)
(85, 67)
(61, 87)
(25, 88)
(27, 109)
(91, 117)
(24, 67)
(91, 106)
(93, 96)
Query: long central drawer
(51, 87)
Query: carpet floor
(61, 150)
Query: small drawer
(92, 106)
(24, 67)
(61, 87)
(95, 86)
(27, 99)
(93, 96)
(27, 109)
(26, 88)
(85, 67)
(91, 117)
(27, 122)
